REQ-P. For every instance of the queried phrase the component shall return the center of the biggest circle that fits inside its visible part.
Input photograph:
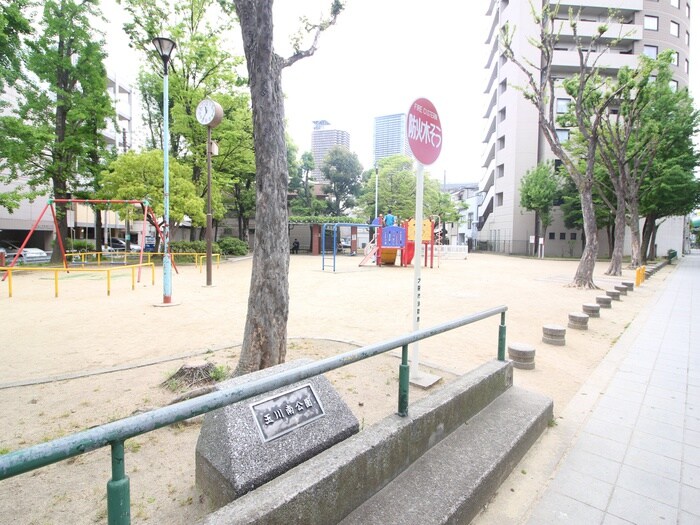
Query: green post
(118, 501)
(502, 338)
(403, 382)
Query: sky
(379, 57)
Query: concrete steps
(453, 480)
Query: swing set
(147, 213)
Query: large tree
(52, 137)
(13, 27)
(139, 176)
(342, 170)
(589, 104)
(265, 334)
(538, 190)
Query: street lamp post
(165, 48)
(376, 189)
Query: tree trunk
(537, 234)
(265, 335)
(98, 229)
(584, 271)
(633, 208)
(615, 267)
(647, 231)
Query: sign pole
(417, 269)
(424, 133)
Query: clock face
(206, 111)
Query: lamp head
(165, 48)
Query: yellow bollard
(9, 281)
(109, 281)
(55, 283)
(133, 278)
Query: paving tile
(639, 509)
(685, 518)
(690, 475)
(622, 383)
(692, 438)
(557, 509)
(692, 423)
(675, 404)
(653, 463)
(613, 431)
(664, 393)
(602, 446)
(669, 418)
(619, 417)
(691, 455)
(660, 429)
(658, 445)
(616, 403)
(583, 488)
(595, 466)
(614, 520)
(690, 500)
(652, 486)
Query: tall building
(323, 139)
(390, 136)
(513, 142)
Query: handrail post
(502, 338)
(403, 382)
(118, 499)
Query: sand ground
(86, 358)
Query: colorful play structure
(389, 245)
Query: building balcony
(627, 5)
(621, 32)
(568, 61)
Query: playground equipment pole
(376, 189)
(165, 47)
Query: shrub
(233, 246)
(80, 245)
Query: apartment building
(390, 136)
(323, 139)
(513, 142)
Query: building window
(499, 199)
(673, 84)
(470, 220)
(687, 10)
(562, 236)
(572, 236)
(651, 51)
(563, 105)
(502, 115)
(687, 38)
(500, 171)
(676, 4)
(675, 28)
(563, 135)
(552, 236)
(674, 58)
(651, 22)
(502, 87)
(687, 66)
(501, 143)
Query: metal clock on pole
(209, 113)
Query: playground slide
(408, 252)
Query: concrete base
(328, 487)
(423, 379)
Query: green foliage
(193, 247)
(220, 373)
(13, 26)
(140, 176)
(397, 192)
(52, 139)
(80, 245)
(538, 190)
(342, 169)
(233, 246)
(316, 219)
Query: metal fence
(116, 433)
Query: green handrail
(117, 432)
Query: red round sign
(424, 131)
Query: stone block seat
(522, 355)
(604, 301)
(554, 334)
(613, 294)
(578, 321)
(591, 309)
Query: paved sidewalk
(637, 457)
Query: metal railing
(14, 269)
(116, 433)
